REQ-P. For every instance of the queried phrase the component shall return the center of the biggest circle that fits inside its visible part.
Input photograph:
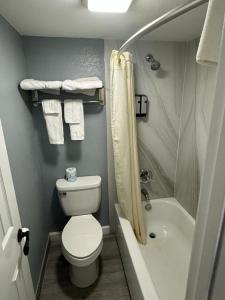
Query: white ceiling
(69, 18)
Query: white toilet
(82, 235)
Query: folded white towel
(32, 84)
(82, 84)
(53, 85)
(74, 116)
(209, 45)
(53, 117)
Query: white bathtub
(159, 269)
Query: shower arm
(165, 18)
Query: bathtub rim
(144, 280)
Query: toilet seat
(82, 240)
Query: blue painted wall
(24, 150)
(36, 164)
(59, 59)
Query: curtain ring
(119, 58)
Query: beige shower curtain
(124, 137)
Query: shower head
(155, 65)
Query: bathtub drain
(152, 235)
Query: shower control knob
(149, 58)
(145, 175)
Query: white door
(15, 277)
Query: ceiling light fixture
(109, 6)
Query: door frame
(211, 208)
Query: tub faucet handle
(145, 175)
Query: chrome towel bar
(99, 97)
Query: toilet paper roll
(71, 174)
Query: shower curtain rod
(165, 18)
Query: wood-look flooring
(111, 284)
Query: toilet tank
(80, 197)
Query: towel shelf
(39, 95)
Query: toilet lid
(82, 236)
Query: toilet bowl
(82, 237)
(81, 246)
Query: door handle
(24, 233)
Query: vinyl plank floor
(111, 284)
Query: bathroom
(145, 218)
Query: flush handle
(24, 233)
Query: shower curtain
(124, 136)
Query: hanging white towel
(209, 45)
(74, 116)
(53, 117)
(77, 131)
(82, 84)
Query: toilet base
(84, 276)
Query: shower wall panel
(197, 104)
(158, 133)
(173, 138)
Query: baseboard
(42, 270)
(106, 230)
(55, 236)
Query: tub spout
(148, 205)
